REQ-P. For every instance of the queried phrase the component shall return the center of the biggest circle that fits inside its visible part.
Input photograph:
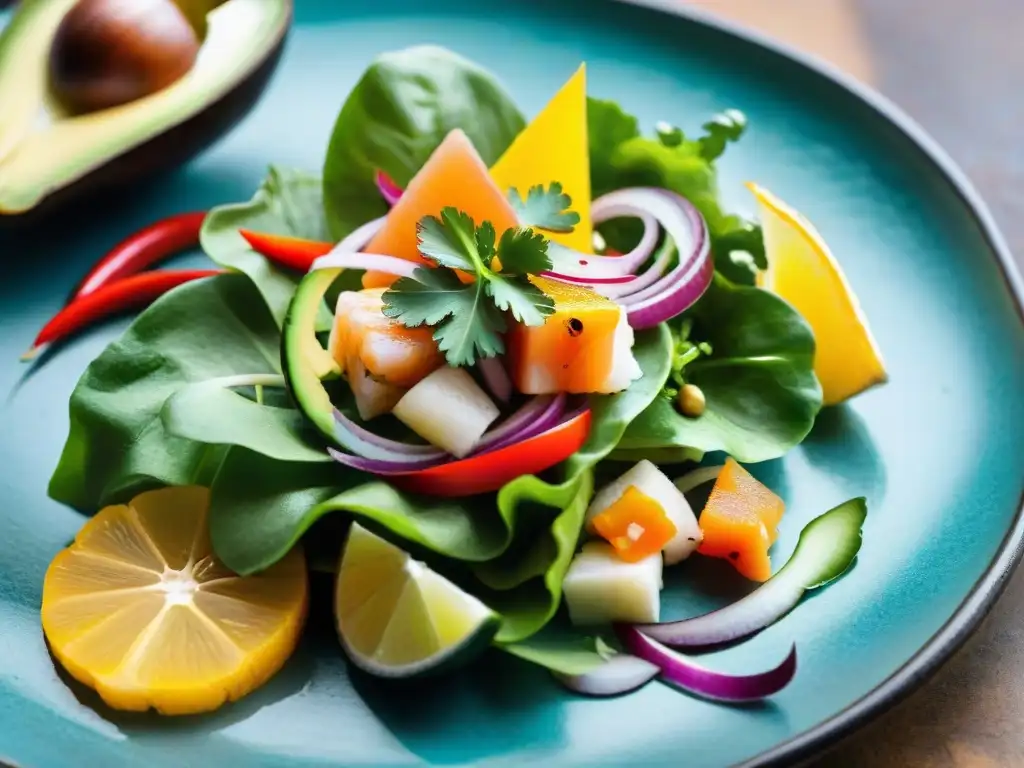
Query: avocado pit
(110, 52)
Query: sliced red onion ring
(826, 549)
(620, 674)
(544, 413)
(655, 295)
(495, 377)
(392, 265)
(618, 280)
(382, 467)
(697, 477)
(515, 424)
(359, 237)
(389, 190)
(365, 443)
(680, 671)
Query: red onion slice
(706, 683)
(620, 674)
(369, 445)
(392, 265)
(495, 377)
(359, 237)
(588, 281)
(538, 415)
(825, 551)
(382, 467)
(388, 189)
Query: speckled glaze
(937, 452)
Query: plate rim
(985, 592)
(965, 620)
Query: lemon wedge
(803, 271)
(398, 618)
(139, 609)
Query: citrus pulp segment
(139, 608)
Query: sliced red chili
(292, 252)
(490, 471)
(127, 293)
(143, 249)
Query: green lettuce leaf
(621, 157)
(759, 383)
(398, 113)
(288, 202)
(117, 445)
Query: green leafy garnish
(723, 128)
(762, 394)
(545, 208)
(467, 317)
(684, 352)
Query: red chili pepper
(143, 249)
(292, 252)
(126, 293)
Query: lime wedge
(397, 618)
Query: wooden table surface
(957, 67)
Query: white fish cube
(652, 482)
(448, 409)
(600, 587)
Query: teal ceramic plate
(937, 451)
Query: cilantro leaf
(474, 328)
(523, 252)
(485, 241)
(545, 208)
(449, 241)
(468, 317)
(426, 298)
(527, 303)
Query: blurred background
(957, 67)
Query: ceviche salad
(486, 354)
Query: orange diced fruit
(585, 345)
(635, 525)
(740, 522)
(454, 175)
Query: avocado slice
(48, 155)
(304, 361)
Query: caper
(691, 400)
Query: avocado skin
(164, 152)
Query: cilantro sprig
(467, 317)
(545, 208)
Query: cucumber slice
(304, 361)
(826, 549)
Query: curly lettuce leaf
(759, 383)
(621, 157)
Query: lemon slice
(139, 609)
(803, 271)
(397, 618)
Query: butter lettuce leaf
(759, 383)
(117, 445)
(288, 202)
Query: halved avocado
(304, 361)
(47, 155)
